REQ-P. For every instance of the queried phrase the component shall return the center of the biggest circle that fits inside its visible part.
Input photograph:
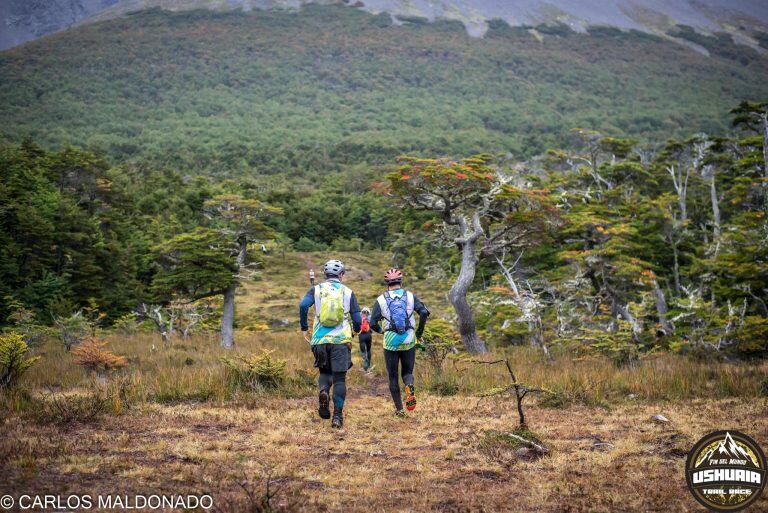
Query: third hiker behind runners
(365, 338)
(396, 307)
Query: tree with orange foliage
(481, 213)
(94, 355)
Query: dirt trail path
(448, 455)
(273, 297)
(377, 385)
(307, 258)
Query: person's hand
(306, 337)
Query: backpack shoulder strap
(383, 306)
(410, 302)
(317, 299)
(410, 306)
(347, 298)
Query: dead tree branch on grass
(519, 390)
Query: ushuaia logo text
(726, 471)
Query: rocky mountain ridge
(744, 20)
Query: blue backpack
(399, 320)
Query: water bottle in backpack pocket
(399, 320)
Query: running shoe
(400, 413)
(338, 420)
(410, 398)
(324, 401)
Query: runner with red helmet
(393, 276)
(396, 307)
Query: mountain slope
(25, 19)
(327, 86)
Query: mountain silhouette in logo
(727, 448)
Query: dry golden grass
(433, 461)
(188, 429)
(275, 297)
(192, 370)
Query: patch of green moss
(493, 441)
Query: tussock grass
(183, 420)
(193, 371)
(596, 381)
(434, 460)
(188, 427)
(63, 408)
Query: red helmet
(393, 276)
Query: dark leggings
(406, 359)
(339, 381)
(365, 346)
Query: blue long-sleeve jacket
(309, 300)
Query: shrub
(443, 386)
(253, 492)
(752, 337)
(619, 346)
(440, 340)
(556, 399)
(305, 244)
(25, 322)
(127, 324)
(256, 371)
(61, 408)
(499, 317)
(94, 356)
(72, 330)
(13, 360)
(558, 29)
(342, 244)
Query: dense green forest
(146, 160)
(232, 94)
(621, 248)
(76, 231)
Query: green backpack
(331, 305)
